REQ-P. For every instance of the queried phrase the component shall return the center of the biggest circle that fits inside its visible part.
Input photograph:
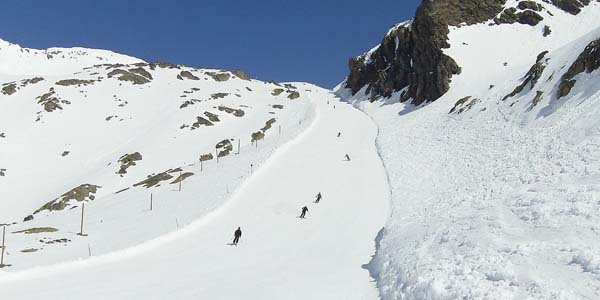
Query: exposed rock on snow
(50, 101)
(187, 75)
(241, 74)
(277, 92)
(236, 112)
(154, 180)
(68, 82)
(12, 87)
(223, 148)
(130, 76)
(532, 76)
(588, 61)
(212, 117)
(84, 192)
(464, 104)
(571, 6)
(219, 76)
(127, 161)
(410, 55)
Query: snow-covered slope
(116, 135)
(279, 255)
(495, 184)
(16, 60)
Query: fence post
(180, 180)
(217, 154)
(251, 167)
(279, 129)
(82, 212)
(151, 201)
(2, 265)
(201, 165)
(238, 152)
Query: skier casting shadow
(236, 237)
(319, 197)
(347, 157)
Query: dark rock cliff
(410, 58)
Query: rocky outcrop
(127, 161)
(49, 101)
(84, 192)
(241, 74)
(133, 75)
(223, 148)
(571, 6)
(12, 87)
(187, 75)
(588, 61)
(219, 76)
(529, 5)
(527, 17)
(532, 76)
(69, 82)
(410, 56)
(236, 112)
(464, 104)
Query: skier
(339, 133)
(237, 235)
(347, 157)
(304, 211)
(318, 197)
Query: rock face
(410, 55)
(588, 61)
(532, 76)
(571, 6)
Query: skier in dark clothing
(304, 211)
(237, 235)
(339, 133)
(318, 198)
(347, 157)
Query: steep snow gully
(280, 256)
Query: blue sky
(308, 40)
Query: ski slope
(280, 256)
(496, 199)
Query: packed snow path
(279, 256)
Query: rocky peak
(410, 58)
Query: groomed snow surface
(280, 256)
(500, 201)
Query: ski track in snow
(279, 255)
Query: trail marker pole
(217, 154)
(82, 213)
(238, 152)
(89, 250)
(180, 180)
(151, 201)
(201, 165)
(251, 166)
(3, 246)
(279, 129)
